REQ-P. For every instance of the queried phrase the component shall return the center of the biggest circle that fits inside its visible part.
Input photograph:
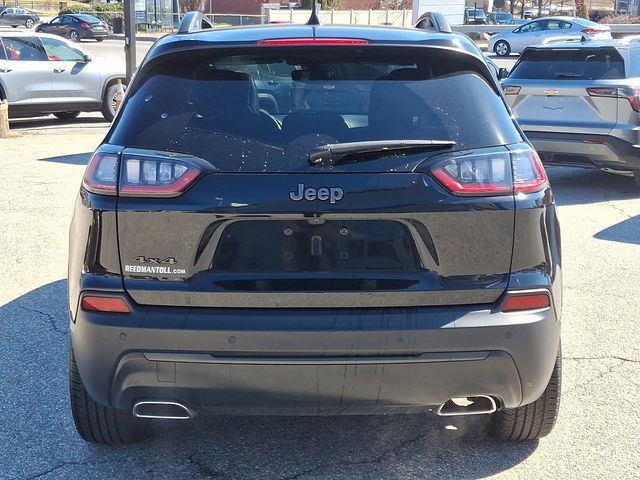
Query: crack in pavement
(53, 469)
(205, 470)
(50, 318)
(608, 201)
(375, 460)
(610, 369)
(607, 357)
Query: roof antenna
(313, 19)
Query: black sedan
(76, 27)
(16, 16)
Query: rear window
(266, 109)
(88, 18)
(569, 64)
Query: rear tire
(108, 102)
(636, 177)
(99, 39)
(73, 36)
(502, 48)
(66, 115)
(96, 423)
(29, 23)
(535, 420)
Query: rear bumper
(92, 34)
(269, 361)
(601, 151)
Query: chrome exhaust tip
(476, 405)
(162, 409)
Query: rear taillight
(483, 174)
(528, 172)
(632, 94)
(140, 175)
(593, 31)
(520, 301)
(510, 90)
(85, 25)
(487, 174)
(105, 304)
(101, 175)
(143, 176)
(312, 41)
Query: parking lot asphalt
(597, 435)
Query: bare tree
(191, 5)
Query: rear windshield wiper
(333, 154)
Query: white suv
(42, 74)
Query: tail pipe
(477, 405)
(163, 409)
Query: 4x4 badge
(333, 194)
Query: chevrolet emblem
(551, 92)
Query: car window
(66, 20)
(87, 18)
(55, 21)
(242, 114)
(569, 64)
(3, 55)
(26, 49)
(565, 25)
(531, 27)
(19, 11)
(556, 25)
(60, 51)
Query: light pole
(130, 38)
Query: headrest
(398, 106)
(220, 91)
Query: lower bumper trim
(364, 360)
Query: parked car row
(74, 26)
(45, 74)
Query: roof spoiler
(194, 22)
(434, 21)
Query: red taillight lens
(140, 175)
(516, 302)
(487, 174)
(593, 31)
(528, 172)
(105, 304)
(312, 41)
(475, 175)
(102, 174)
(632, 94)
(144, 176)
(85, 25)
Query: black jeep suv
(311, 220)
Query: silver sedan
(536, 31)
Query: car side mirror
(88, 58)
(503, 73)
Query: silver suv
(579, 102)
(43, 74)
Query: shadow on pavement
(39, 439)
(627, 231)
(579, 186)
(73, 159)
(51, 121)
